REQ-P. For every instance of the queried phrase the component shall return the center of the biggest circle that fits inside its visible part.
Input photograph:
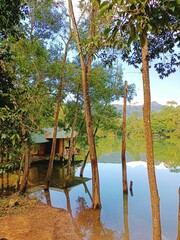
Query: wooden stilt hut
(42, 143)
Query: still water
(127, 217)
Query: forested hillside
(165, 123)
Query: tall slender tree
(155, 200)
(60, 92)
(86, 66)
(124, 171)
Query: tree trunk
(53, 148)
(149, 144)
(85, 68)
(124, 171)
(87, 155)
(91, 142)
(84, 164)
(71, 148)
(24, 181)
(72, 142)
(19, 171)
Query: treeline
(165, 124)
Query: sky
(162, 90)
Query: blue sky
(162, 90)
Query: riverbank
(23, 218)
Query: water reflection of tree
(66, 192)
(125, 234)
(8, 184)
(86, 221)
(135, 147)
(166, 151)
(48, 197)
(89, 223)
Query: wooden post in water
(124, 172)
(131, 188)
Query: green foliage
(136, 147)
(45, 20)
(11, 13)
(168, 151)
(165, 124)
(107, 142)
(165, 150)
(8, 167)
(105, 86)
(135, 126)
(25, 91)
(130, 22)
(31, 70)
(10, 135)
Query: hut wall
(41, 149)
(60, 147)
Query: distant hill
(155, 106)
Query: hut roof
(61, 134)
(47, 133)
(38, 138)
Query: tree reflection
(125, 235)
(89, 223)
(48, 197)
(87, 190)
(66, 192)
(7, 184)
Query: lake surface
(121, 217)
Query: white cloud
(134, 164)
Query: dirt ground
(29, 219)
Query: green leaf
(142, 39)
(172, 8)
(131, 2)
(104, 8)
(150, 28)
(107, 30)
(132, 31)
(104, 4)
(3, 136)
